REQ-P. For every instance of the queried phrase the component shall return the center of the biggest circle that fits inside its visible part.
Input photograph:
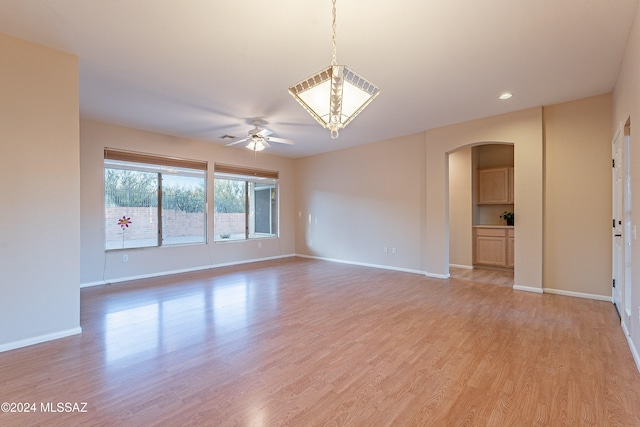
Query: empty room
(319, 213)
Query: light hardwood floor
(303, 342)
(489, 276)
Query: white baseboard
(465, 267)
(577, 294)
(436, 275)
(227, 264)
(632, 347)
(527, 289)
(90, 284)
(40, 339)
(184, 270)
(363, 264)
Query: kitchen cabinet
(493, 245)
(495, 186)
(510, 242)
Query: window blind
(246, 171)
(130, 156)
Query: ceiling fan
(259, 139)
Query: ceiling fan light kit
(256, 145)
(335, 95)
(259, 138)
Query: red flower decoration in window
(124, 222)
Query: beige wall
(347, 197)
(39, 171)
(492, 155)
(98, 266)
(352, 203)
(460, 208)
(626, 105)
(577, 214)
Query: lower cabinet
(510, 240)
(493, 246)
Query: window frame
(247, 176)
(162, 166)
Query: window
(153, 201)
(245, 203)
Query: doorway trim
(623, 232)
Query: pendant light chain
(333, 35)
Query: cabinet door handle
(618, 235)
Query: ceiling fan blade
(281, 140)
(263, 132)
(237, 142)
(265, 143)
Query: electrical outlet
(386, 249)
(394, 251)
(125, 258)
(259, 244)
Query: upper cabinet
(495, 186)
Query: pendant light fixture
(335, 95)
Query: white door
(629, 233)
(617, 243)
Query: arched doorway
(469, 215)
(524, 130)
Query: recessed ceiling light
(506, 95)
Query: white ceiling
(205, 68)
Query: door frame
(629, 229)
(622, 231)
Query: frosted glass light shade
(334, 96)
(256, 145)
